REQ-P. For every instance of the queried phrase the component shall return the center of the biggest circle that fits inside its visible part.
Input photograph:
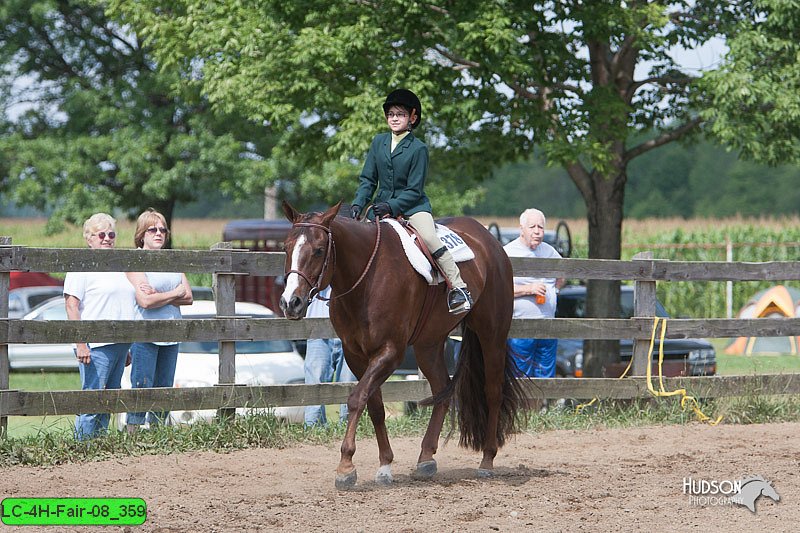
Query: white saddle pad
(458, 249)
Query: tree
(756, 94)
(495, 78)
(103, 128)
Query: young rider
(397, 166)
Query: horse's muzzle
(294, 309)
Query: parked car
(260, 362)
(202, 293)
(44, 356)
(559, 238)
(682, 357)
(22, 300)
(257, 362)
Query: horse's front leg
(377, 413)
(346, 474)
(367, 392)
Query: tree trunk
(605, 242)
(166, 208)
(271, 202)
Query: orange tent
(775, 302)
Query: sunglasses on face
(154, 230)
(102, 235)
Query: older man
(533, 298)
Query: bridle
(330, 258)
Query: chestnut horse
(376, 302)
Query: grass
(746, 365)
(20, 426)
(263, 431)
(195, 234)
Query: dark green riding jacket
(398, 176)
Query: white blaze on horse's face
(293, 279)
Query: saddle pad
(458, 249)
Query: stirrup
(459, 301)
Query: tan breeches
(423, 223)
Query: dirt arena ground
(594, 480)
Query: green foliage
(756, 108)
(103, 130)
(679, 180)
(494, 78)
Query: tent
(776, 302)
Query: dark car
(682, 357)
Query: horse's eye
(318, 252)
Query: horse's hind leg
(432, 364)
(493, 388)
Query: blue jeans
(535, 358)
(324, 362)
(153, 366)
(104, 371)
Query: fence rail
(226, 263)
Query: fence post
(224, 289)
(5, 283)
(644, 305)
(728, 284)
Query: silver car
(23, 300)
(258, 362)
(44, 356)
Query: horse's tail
(468, 390)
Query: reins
(315, 288)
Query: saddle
(418, 254)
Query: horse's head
(309, 265)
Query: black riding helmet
(404, 98)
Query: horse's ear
(330, 214)
(290, 212)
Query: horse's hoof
(485, 473)
(425, 470)
(346, 481)
(384, 476)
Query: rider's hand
(355, 210)
(382, 209)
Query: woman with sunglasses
(158, 295)
(98, 296)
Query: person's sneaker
(459, 300)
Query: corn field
(748, 243)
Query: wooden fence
(226, 263)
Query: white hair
(529, 212)
(96, 222)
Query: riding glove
(355, 210)
(382, 209)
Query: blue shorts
(535, 358)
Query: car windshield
(36, 299)
(242, 347)
(574, 306)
